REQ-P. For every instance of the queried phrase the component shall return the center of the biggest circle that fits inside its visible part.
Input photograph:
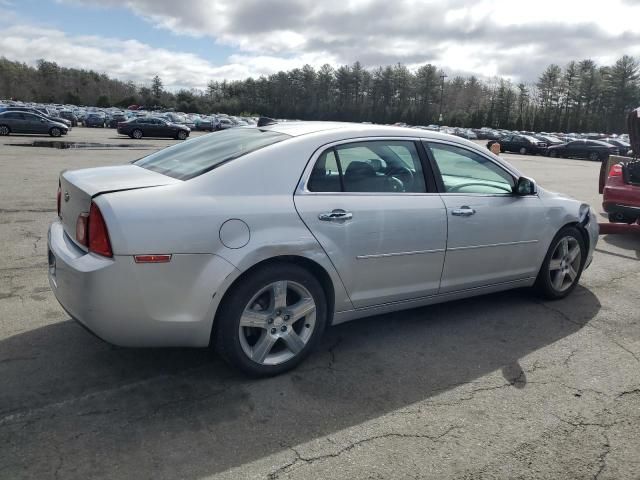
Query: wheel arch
(314, 268)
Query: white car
(255, 239)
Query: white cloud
(486, 37)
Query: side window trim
(440, 182)
(430, 183)
(339, 165)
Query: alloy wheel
(277, 323)
(4, 130)
(565, 263)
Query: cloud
(487, 37)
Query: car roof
(298, 128)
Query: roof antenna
(264, 121)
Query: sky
(190, 42)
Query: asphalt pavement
(502, 386)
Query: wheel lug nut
(270, 321)
(283, 328)
(286, 317)
(273, 331)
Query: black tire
(182, 135)
(226, 335)
(137, 134)
(594, 156)
(55, 132)
(544, 285)
(553, 153)
(4, 130)
(523, 151)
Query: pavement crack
(567, 318)
(309, 460)
(602, 458)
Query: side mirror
(525, 186)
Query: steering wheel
(457, 188)
(401, 175)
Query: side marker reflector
(152, 258)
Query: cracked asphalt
(504, 386)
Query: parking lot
(503, 386)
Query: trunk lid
(79, 187)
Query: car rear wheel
(182, 135)
(594, 156)
(271, 321)
(137, 134)
(523, 151)
(4, 130)
(553, 153)
(563, 264)
(55, 132)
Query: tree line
(582, 96)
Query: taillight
(98, 235)
(616, 170)
(91, 231)
(59, 198)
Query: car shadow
(630, 242)
(72, 404)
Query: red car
(621, 193)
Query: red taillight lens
(616, 170)
(97, 231)
(59, 198)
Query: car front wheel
(563, 264)
(137, 134)
(182, 135)
(271, 321)
(594, 156)
(55, 132)
(523, 151)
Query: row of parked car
(568, 147)
(57, 120)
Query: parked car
(224, 123)
(43, 113)
(26, 122)
(523, 144)
(190, 247)
(624, 148)
(550, 140)
(206, 124)
(95, 120)
(69, 115)
(591, 149)
(116, 118)
(152, 127)
(621, 195)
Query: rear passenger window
(378, 166)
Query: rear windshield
(200, 155)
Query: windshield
(195, 157)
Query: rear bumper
(136, 305)
(626, 210)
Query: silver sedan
(253, 240)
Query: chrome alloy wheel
(565, 263)
(277, 323)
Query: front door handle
(463, 211)
(337, 215)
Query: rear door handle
(335, 216)
(463, 211)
